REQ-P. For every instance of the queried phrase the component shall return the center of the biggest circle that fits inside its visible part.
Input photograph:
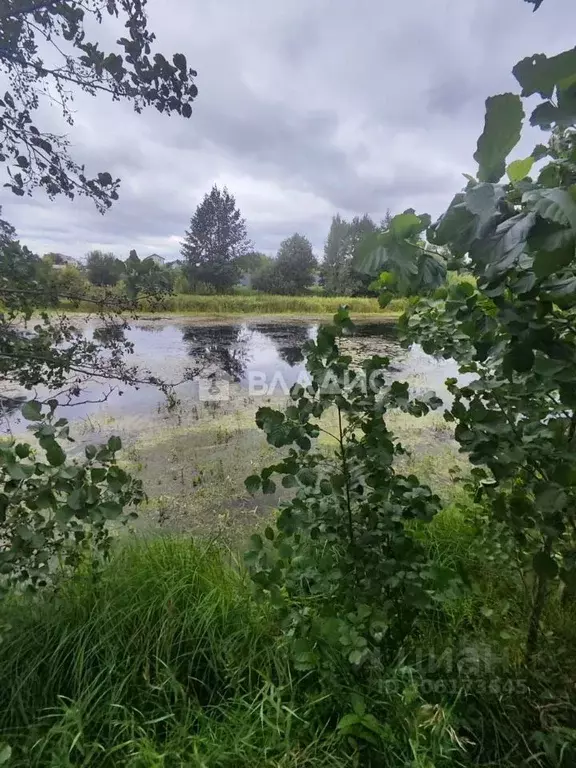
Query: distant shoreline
(223, 317)
(255, 305)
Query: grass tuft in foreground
(161, 660)
(164, 659)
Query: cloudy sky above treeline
(305, 108)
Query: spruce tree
(217, 238)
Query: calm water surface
(240, 351)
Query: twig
(346, 476)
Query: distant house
(157, 259)
(245, 280)
(60, 260)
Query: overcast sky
(305, 108)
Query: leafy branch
(41, 159)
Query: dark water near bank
(254, 358)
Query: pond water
(253, 358)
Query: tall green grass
(261, 304)
(163, 659)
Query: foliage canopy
(46, 49)
(512, 332)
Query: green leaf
(22, 450)
(269, 533)
(90, 452)
(19, 471)
(546, 366)
(5, 753)
(276, 597)
(24, 532)
(392, 252)
(358, 704)
(562, 114)
(553, 204)
(285, 550)
(338, 481)
(256, 543)
(32, 410)
(482, 200)
(546, 264)
(520, 358)
(456, 227)
(535, 3)
(104, 178)
(502, 128)
(431, 273)
(519, 169)
(289, 481)
(540, 151)
(544, 565)
(92, 494)
(524, 284)
(268, 418)
(296, 391)
(45, 499)
(268, 486)
(326, 487)
(568, 395)
(303, 442)
(68, 471)
(551, 498)
(110, 510)
(98, 474)
(387, 279)
(356, 656)
(408, 224)
(54, 453)
(307, 476)
(561, 289)
(540, 74)
(549, 236)
(348, 721)
(74, 499)
(253, 483)
(180, 61)
(500, 251)
(114, 444)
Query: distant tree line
(60, 277)
(218, 254)
(136, 274)
(339, 275)
(218, 257)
